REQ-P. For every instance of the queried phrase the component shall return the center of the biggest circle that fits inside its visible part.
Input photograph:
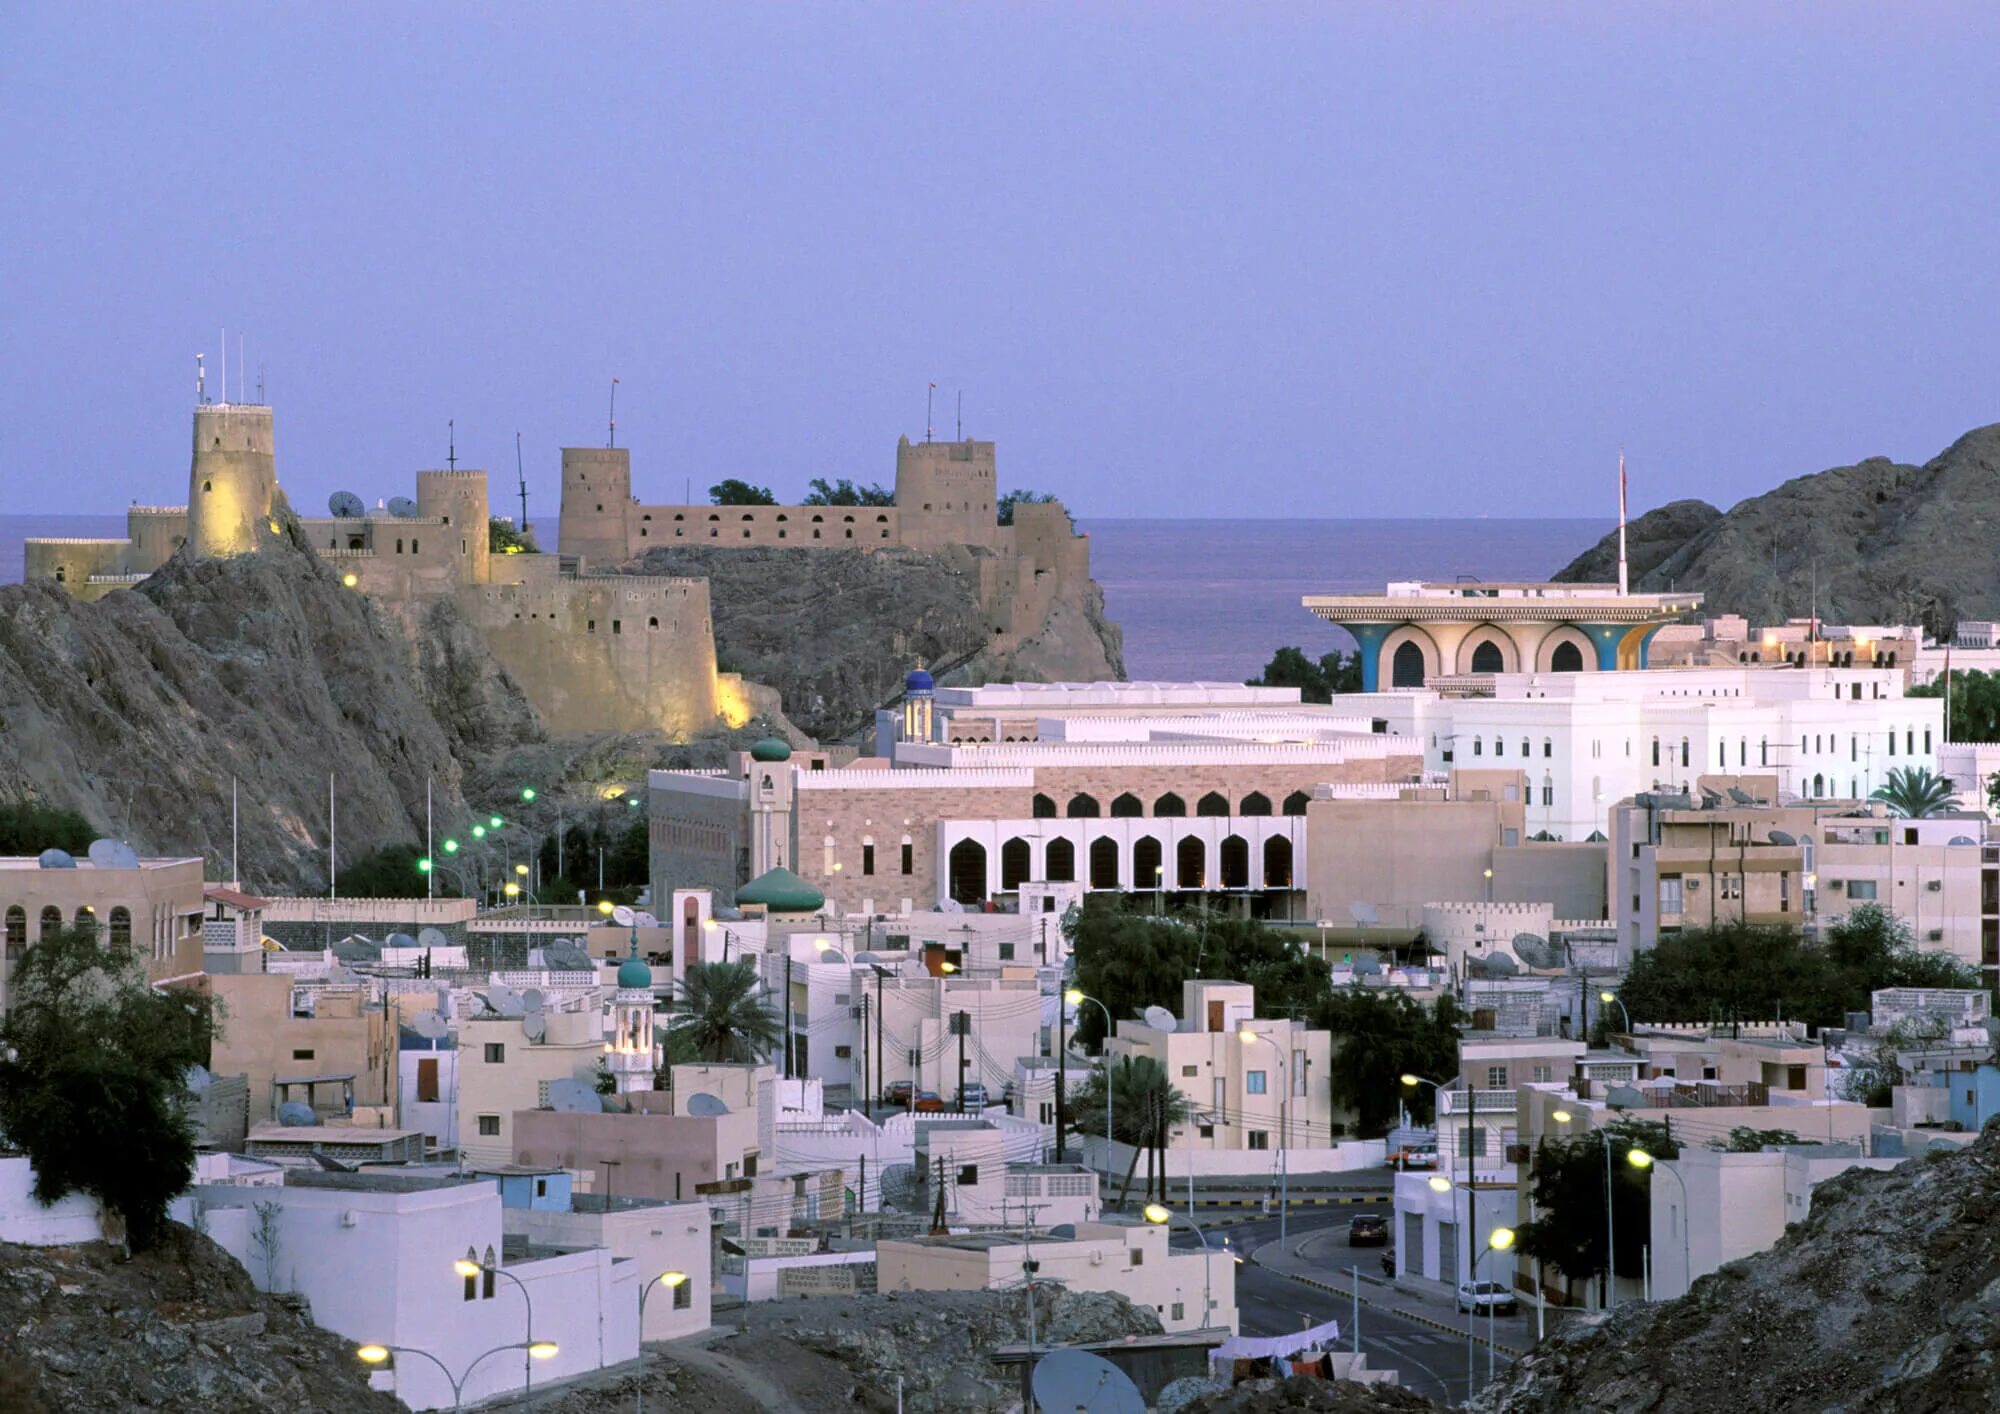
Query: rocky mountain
(1892, 543)
(835, 631)
(1885, 1300)
(178, 1329)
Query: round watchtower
(459, 499)
(233, 480)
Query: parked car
(929, 1103)
(900, 1092)
(1413, 1158)
(1480, 1297)
(1368, 1230)
(972, 1096)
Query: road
(1430, 1361)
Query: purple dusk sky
(1222, 260)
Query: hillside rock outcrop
(1891, 543)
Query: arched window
(1548, 747)
(1016, 862)
(1486, 658)
(1061, 864)
(17, 931)
(1044, 807)
(1296, 803)
(86, 917)
(121, 929)
(1146, 863)
(1406, 669)
(1170, 805)
(1566, 659)
(1234, 860)
(1255, 803)
(1277, 863)
(1524, 746)
(51, 923)
(966, 871)
(1214, 803)
(1819, 786)
(1127, 806)
(1083, 807)
(1684, 751)
(1104, 864)
(1191, 863)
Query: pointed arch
(1060, 863)
(1565, 658)
(1255, 803)
(1017, 862)
(121, 929)
(1191, 863)
(1127, 806)
(1213, 803)
(1170, 806)
(1406, 667)
(1044, 807)
(965, 871)
(1147, 863)
(1104, 863)
(1277, 863)
(1296, 803)
(1233, 862)
(1083, 806)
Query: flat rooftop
(328, 1134)
(399, 1182)
(34, 861)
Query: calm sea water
(1207, 600)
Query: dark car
(1368, 1230)
(900, 1092)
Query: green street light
(494, 822)
(451, 846)
(633, 801)
(479, 832)
(527, 792)
(424, 866)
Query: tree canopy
(503, 539)
(731, 492)
(1144, 1104)
(845, 493)
(1567, 1178)
(29, 827)
(1377, 1039)
(1743, 972)
(1975, 705)
(723, 1014)
(1335, 672)
(93, 1077)
(1914, 792)
(392, 872)
(1004, 508)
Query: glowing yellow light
(521, 869)
(604, 907)
(1409, 1080)
(512, 888)
(466, 1267)
(1246, 1035)
(1639, 1159)
(1560, 1116)
(947, 967)
(673, 1278)
(1501, 1239)
(543, 1350)
(350, 579)
(1439, 1183)
(1155, 1213)
(1606, 997)
(274, 526)
(1073, 997)
(373, 1354)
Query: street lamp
(1438, 1185)
(379, 1354)
(468, 1267)
(1161, 1214)
(1609, 997)
(668, 1279)
(1641, 1159)
(1498, 1240)
(527, 792)
(1246, 1035)
(1075, 997)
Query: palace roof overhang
(1503, 603)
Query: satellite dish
(1365, 965)
(431, 1026)
(432, 938)
(574, 1097)
(113, 854)
(1076, 1379)
(832, 955)
(623, 916)
(867, 957)
(1160, 1019)
(645, 919)
(199, 1078)
(1623, 1097)
(346, 505)
(533, 1001)
(1364, 914)
(1782, 837)
(294, 1115)
(1496, 964)
(1537, 951)
(402, 507)
(1962, 839)
(706, 1105)
(1064, 1230)
(503, 999)
(535, 1025)
(56, 859)
(399, 940)
(1740, 797)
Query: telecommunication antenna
(242, 389)
(930, 396)
(200, 379)
(451, 435)
(522, 475)
(260, 385)
(960, 427)
(225, 365)
(612, 437)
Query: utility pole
(865, 1091)
(1062, 1044)
(961, 1024)
(788, 1014)
(938, 1228)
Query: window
(1656, 751)
(1860, 890)
(968, 1175)
(1784, 892)
(427, 1080)
(907, 869)
(683, 1295)
(1549, 747)
(1138, 1256)
(1509, 835)
(1298, 1072)
(1541, 1075)
(1260, 1139)
(1670, 893)
(1478, 748)
(1472, 1142)
(843, 1052)
(1043, 807)
(1207, 1131)
(1179, 1314)
(868, 858)
(1499, 746)
(1496, 1077)
(496, 1053)
(1729, 886)
(1006, 952)
(1253, 1082)
(1190, 1069)
(489, 1126)
(302, 1055)
(1684, 751)
(1548, 791)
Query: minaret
(633, 1057)
(918, 701)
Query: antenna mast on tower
(612, 439)
(1623, 588)
(200, 379)
(522, 476)
(451, 436)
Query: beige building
(1132, 1259)
(152, 909)
(647, 1151)
(503, 1069)
(327, 1047)
(1730, 640)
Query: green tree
(731, 492)
(503, 539)
(1743, 1139)
(845, 493)
(1334, 673)
(1975, 705)
(1145, 1105)
(1004, 507)
(723, 1015)
(391, 872)
(29, 827)
(1379, 1037)
(93, 1078)
(1914, 793)
(1567, 1177)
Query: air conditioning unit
(1936, 935)
(1694, 886)
(854, 1011)
(1936, 886)
(1837, 885)
(1097, 1259)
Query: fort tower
(232, 481)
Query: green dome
(782, 891)
(634, 975)
(771, 748)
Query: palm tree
(722, 1016)
(1145, 1106)
(1914, 792)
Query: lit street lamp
(1075, 997)
(1247, 1036)
(379, 1354)
(469, 1267)
(668, 1279)
(1161, 1214)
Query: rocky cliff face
(834, 631)
(1892, 543)
(138, 710)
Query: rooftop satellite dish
(402, 507)
(345, 504)
(1496, 964)
(1160, 1019)
(504, 999)
(1364, 914)
(432, 938)
(56, 859)
(1365, 965)
(295, 1115)
(1623, 1097)
(706, 1105)
(431, 1026)
(645, 919)
(532, 1000)
(574, 1097)
(832, 955)
(113, 854)
(1740, 797)
(1782, 837)
(623, 916)
(535, 1025)
(867, 957)
(1076, 1379)
(1537, 951)
(399, 940)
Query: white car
(1481, 1297)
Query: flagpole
(235, 867)
(1623, 586)
(332, 835)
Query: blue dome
(634, 975)
(918, 681)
